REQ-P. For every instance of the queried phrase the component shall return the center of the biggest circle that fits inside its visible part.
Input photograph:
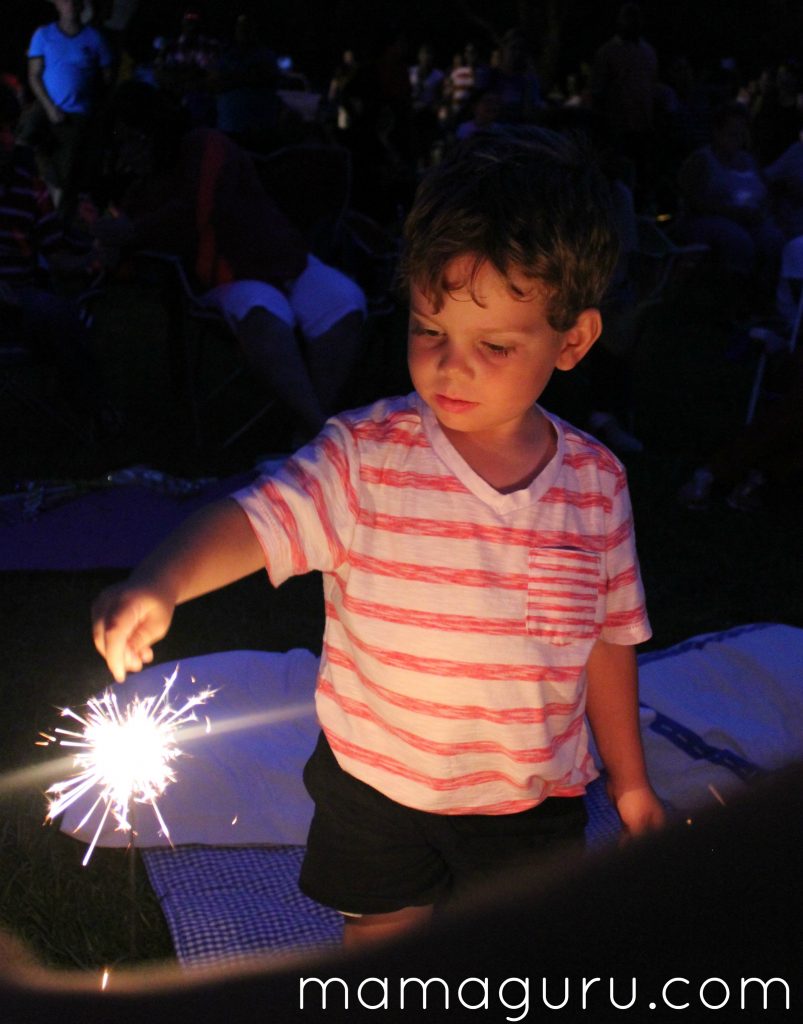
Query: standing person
(426, 89)
(185, 66)
(514, 80)
(624, 75)
(245, 84)
(68, 65)
(464, 77)
(481, 582)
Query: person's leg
(271, 349)
(331, 358)
(68, 157)
(330, 310)
(265, 326)
(360, 932)
(367, 856)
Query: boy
(481, 585)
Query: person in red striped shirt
(482, 590)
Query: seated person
(726, 203)
(199, 196)
(769, 449)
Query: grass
(702, 573)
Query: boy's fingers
(125, 626)
(122, 635)
(115, 655)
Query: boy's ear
(579, 339)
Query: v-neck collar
(454, 461)
(67, 35)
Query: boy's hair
(527, 199)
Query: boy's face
(481, 365)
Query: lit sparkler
(127, 753)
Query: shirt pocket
(563, 593)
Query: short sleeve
(36, 47)
(304, 514)
(625, 620)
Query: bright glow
(126, 753)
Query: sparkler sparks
(127, 753)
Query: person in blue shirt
(69, 64)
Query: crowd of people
(128, 144)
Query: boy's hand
(640, 809)
(126, 621)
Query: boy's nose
(453, 360)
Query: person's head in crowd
(191, 23)
(680, 75)
(629, 22)
(246, 30)
(426, 58)
(69, 14)
(471, 55)
(515, 52)
(730, 130)
(147, 129)
(485, 106)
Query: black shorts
(367, 854)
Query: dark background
(563, 33)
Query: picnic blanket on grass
(717, 711)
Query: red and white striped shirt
(458, 620)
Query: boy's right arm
(216, 546)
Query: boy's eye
(496, 350)
(427, 332)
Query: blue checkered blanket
(225, 904)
